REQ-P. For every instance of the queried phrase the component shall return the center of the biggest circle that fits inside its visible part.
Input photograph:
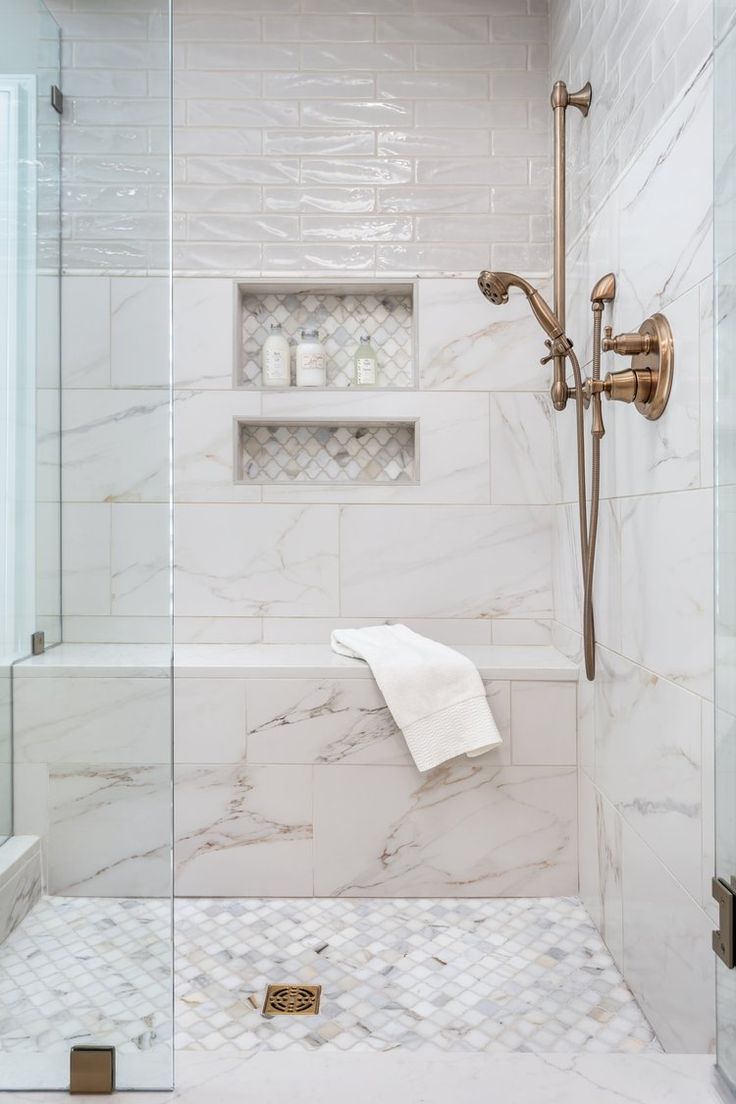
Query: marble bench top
(494, 661)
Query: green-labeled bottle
(366, 369)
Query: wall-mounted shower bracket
(648, 382)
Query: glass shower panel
(86, 958)
(725, 505)
(30, 549)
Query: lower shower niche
(326, 452)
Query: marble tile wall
(290, 787)
(641, 206)
(484, 503)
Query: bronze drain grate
(292, 1000)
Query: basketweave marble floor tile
(526, 975)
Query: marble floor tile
(432, 976)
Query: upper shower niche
(342, 313)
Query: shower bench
(291, 778)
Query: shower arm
(561, 99)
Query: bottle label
(365, 370)
(313, 362)
(275, 365)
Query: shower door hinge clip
(724, 940)
(92, 1069)
(57, 99)
(38, 643)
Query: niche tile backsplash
(386, 316)
(326, 453)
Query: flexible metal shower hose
(588, 535)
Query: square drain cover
(292, 1000)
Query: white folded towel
(435, 695)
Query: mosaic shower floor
(453, 975)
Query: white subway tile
(255, 57)
(333, 200)
(316, 257)
(214, 141)
(328, 228)
(241, 170)
(216, 27)
(440, 85)
(516, 28)
(472, 228)
(319, 28)
(329, 143)
(360, 56)
(360, 113)
(231, 227)
(318, 85)
(410, 200)
(433, 143)
(471, 113)
(490, 56)
(431, 258)
(202, 198)
(428, 28)
(472, 170)
(350, 171)
(241, 113)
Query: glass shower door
(725, 503)
(86, 726)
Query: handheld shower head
(495, 286)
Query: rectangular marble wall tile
(109, 831)
(466, 343)
(668, 959)
(319, 721)
(600, 865)
(667, 565)
(522, 448)
(209, 720)
(461, 830)
(204, 463)
(139, 333)
(543, 716)
(140, 542)
(204, 328)
(92, 720)
(244, 831)
(19, 894)
(265, 560)
(115, 446)
(445, 561)
(85, 331)
(669, 184)
(648, 761)
(85, 536)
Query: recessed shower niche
(325, 452)
(342, 312)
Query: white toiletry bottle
(276, 358)
(311, 362)
(366, 374)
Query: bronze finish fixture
(92, 1069)
(724, 939)
(292, 1000)
(561, 99)
(646, 383)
